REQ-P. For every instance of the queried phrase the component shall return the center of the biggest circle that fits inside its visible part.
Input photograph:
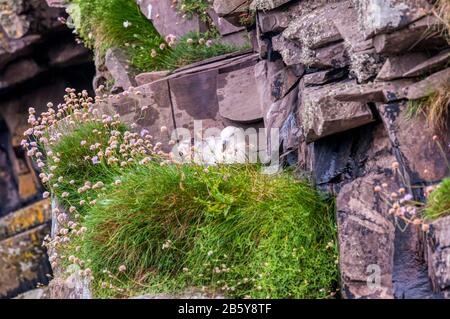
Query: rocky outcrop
(211, 91)
(336, 79)
(438, 255)
(362, 62)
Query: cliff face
(39, 58)
(337, 79)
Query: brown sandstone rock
(283, 81)
(238, 97)
(384, 16)
(323, 77)
(366, 231)
(232, 10)
(438, 255)
(382, 92)
(19, 18)
(396, 66)
(323, 115)
(435, 63)
(366, 240)
(225, 63)
(273, 21)
(332, 56)
(264, 73)
(118, 65)
(194, 97)
(423, 34)
(25, 219)
(14, 49)
(316, 29)
(365, 65)
(18, 72)
(23, 262)
(149, 77)
(417, 152)
(289, 50)
(428, 85)
(268, 4)
(167, 20)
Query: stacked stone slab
(168, 20)
(344, 72)
(212, 91)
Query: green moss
(439, 201)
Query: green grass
(439, 201)
(195, 7)
(184, 53)
(74, 166)
(232, 229)
(434, 107)
(100, 24)
(270, 233)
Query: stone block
(238, 97)
(412, 138)
(438, 255)
(386, 16)
(322, 115)
(167, 20)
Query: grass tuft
(231, 230)
(185, 52)
(439, 201)
(73, 165)
(442, 12)
(435, 107)
(103, 24)
(100, 24)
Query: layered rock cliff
(338, 80)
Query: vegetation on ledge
(435, 108)
(103, 24)
(439, 201)
(137, 221)
(227, 230)
(442, 11)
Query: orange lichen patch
(24, 219)
(22, 260)
(27, 186)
